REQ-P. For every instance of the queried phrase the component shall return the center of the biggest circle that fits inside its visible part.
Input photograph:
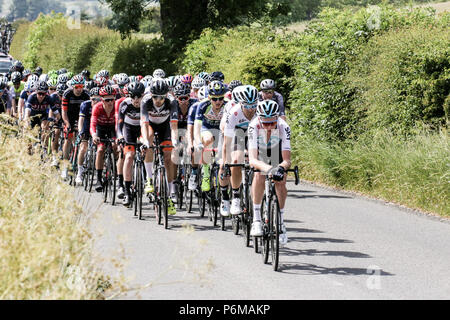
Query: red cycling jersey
(101, 118)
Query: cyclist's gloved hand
(200, 147)
(121, 142)
(277, 173)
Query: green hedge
(50, 44)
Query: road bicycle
(161, 185)
(271, 216)
(109, 172)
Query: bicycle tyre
(139, 189)
(265, 244)
(275, 233)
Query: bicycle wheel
(139, 189)
(164, 197)
(113, 180)
(157, 197)
(91, 168)
(134, 188)
(265, 243)
(275, 232)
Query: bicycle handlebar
(295, 171)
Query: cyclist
(129, 131)
(71, 102)
(196, 84)
(202, 95)
(122, 92)
(231, 86)
(16, 86)
(159, 73)
(6, 98)
(30, 87)
(155, 117)
(84, 122)
(37, 108)
(103, 126)
(57, 98)
(236, 124)
(268, 92)
(206, 129)
(270, 152)
(182, 106)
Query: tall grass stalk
(45, 249)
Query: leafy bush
(403, 78)
(52, 45)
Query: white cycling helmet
(198, 82)
(159, 73)
(267, 109)
(267, 84)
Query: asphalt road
(341, 246)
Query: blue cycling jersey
(206, 115)
(86, 112)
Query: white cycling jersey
(279, 137)
(235, 120)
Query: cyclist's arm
(198, 125)
(64, 111)
(174, 122)
(93, 127)
(145, 131)
(255, 162)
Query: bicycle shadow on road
(312, 269)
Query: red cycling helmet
(107, 91)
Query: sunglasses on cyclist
(217, 99)
(51, 89)
(41, 93)
(268, 91)
(183, 98)
(78, 86)
(158, 97)
(96, 99)
(250, 106)
(109, 100)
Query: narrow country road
(340, 246)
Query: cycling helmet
(31, 86)
(26, 73)
(135, 89)
(122, 80)
(235, 93)
(183, 89)
(233, 84)
(34, 78)
(61, 88)
(43, 77)
(172, 82)
(38, 71)
(247, 95)
(16, 77)
(267, 109)
(198, 82)
(18, 66)
(62, 71)
(159, 87)
(216, 88)
(101, 81)
(217, 75)
(42, 86)
(52, 83)
(202, 93)
(159, 73)
(103, 73)
(203, 75)
(267, 84)
(187, 78)
(86, 74)
(133, 79)
(107, 91)
(62, 78)
(78, 79)
(139, 77)
(95, 91)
